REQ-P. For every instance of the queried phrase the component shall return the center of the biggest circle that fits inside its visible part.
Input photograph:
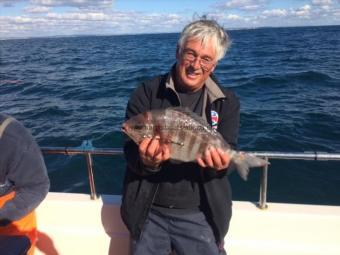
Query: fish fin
(244, 161)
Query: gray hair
(206, 30)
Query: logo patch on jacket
(214, 120)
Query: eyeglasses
(206, 63)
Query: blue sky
(31, 18)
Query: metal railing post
(90, 174)
(263, 187)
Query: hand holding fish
(179, 135)
(214, 158)
(153, 151)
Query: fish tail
(244, 161)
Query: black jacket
(139, 183)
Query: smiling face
(195, 62)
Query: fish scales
(192, 145)
(187, 135)
(190, 137)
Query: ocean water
(67, 90)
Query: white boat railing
(88, 150)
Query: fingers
(147, 151)
(201, 162)
(153, 147)
(143, 146)
(225, 159)
(153, 151)
(214, 158)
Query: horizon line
(153, 33)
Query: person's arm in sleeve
(27, 172)
(138, 103)
(229, 129)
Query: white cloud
(246, 5)
(90, 16)
(82, 4)
(325, 5)
(233, 17)
(322, 2)
(10, 3)
(337, 14)
(308, 14)
(22, 20)
(89, 22)
(36, 9)
(45, 18)
(257, 13)
(302, 12)
(275, 13)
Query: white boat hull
(71, 224)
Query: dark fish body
(188, 136)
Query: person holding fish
(24, 183)
(183, 127)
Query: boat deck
(74, 224)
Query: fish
(188, 135)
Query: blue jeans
(186, 234)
